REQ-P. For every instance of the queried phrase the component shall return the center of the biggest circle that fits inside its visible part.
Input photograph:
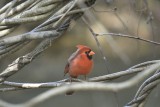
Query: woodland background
(132, 17)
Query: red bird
(80, 62)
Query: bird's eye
(89, 56)
(87, 52)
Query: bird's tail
(69, 92)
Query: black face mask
(88, 56)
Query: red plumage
(80, 62)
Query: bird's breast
(80, 66)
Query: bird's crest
(82, 47)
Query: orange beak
(91, 53)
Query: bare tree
(54, 17)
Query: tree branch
(94, 79)
(92, 86)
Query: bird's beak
(91, 53)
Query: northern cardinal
(79, 63)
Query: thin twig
(98, 44)
(129, 36)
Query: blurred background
(133, 17)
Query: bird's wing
(72, 56)
(66, 70)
